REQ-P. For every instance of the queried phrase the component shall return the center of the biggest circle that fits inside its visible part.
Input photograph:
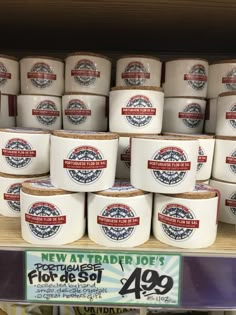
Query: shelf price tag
(114, 278)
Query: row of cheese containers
(120, 216)
(91, 73)
(130, 110)
(87, 161)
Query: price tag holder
(103, 277)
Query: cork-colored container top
(22, 176)
(229, 138)
(201, 191)
(140, 88)
(197, 136)
(25, 130)
(138, 56)
(42, 187)
(86, 53)
(85, 135)
(223, 61)
(121, 188)
(42, 57)
(83, 93)
(9, 57)
(154, 137)
(226, 94)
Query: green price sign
(114, 278)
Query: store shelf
(160, 26)
(206, 278)
(10, 236)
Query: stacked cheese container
(42, 84)
(123, 213)
(222, 95)
(222, 78)
(9, 88)
(185, 92)
(87, 84)
(21, 158)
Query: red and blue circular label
(169, 165)
(44, 220)
(118, 222)
(85, 164)
(178, 222)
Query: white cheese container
(87, 72)
(9, 75)
(42, 75)
(227, 212)
(138, 70)
(224, 163)
(83, 111)
(10, 186)
(168, 164)
(24, 151)
(83, 161)
(119, 216)
(222, 77)
(51, 216)
(187, 220)
(183, 115)
(186, 77)
(226, 114)
(136, 109)
(39, 111)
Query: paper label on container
(104, 277)
(77, 112)
(85, 72)
(44, 220)
(46, 112)
(85, 164)
(118, 222)
(135, 74)
(192, 115)
(41, 75)
(178, 222)
(18, 153)
(139, 111)
(169, 165)
(196, 77)
(12, 196)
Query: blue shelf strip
(206, 282)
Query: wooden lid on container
(42, 187)
(154, 137)
(201, 191)
(130, 135)
(176, 59)
(122, 188)
(85, 135)
(151, 88)
(22, 176)
(86, 53)
(197, 136)
(229, 138)
(223, 61)
(25, 130)
(227, 94)
(39, 95)
(222, 181)
(187, 97)
(83, 93)
(9, 57)
(139, 56)
(42, 57)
